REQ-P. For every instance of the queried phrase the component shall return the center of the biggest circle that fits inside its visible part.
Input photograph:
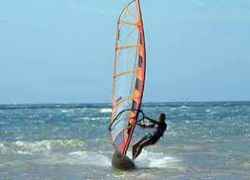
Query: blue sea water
(205, 140)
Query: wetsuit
(149, 139)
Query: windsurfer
(150, 139)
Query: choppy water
(71, 141)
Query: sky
(62, 51)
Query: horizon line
(147, 102)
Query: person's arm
(147, 126)
(143, 124)
(152, 120)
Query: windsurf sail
(128, 76)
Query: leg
(135, 147)
(137, 150)
(143, 139)
(138, 146)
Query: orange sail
(128, 76)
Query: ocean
(205, 140)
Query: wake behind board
(128, 76)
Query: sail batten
(128, 23)
(127, 46)
(128, 75)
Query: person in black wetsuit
(150, 139)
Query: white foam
(99, 118)
(3, 149)
(84, 118)
(78, 153)
(173, 109)
(65, 111)
(105, 110)
(76, 158)
(90, 158)
(155, 160)
(24, 152)
(184, 107)
(208, 110)
(32, 147)
(45, 146)
(187, 121)
(162, 162)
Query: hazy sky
(63, 50)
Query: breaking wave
(105, 110)
(40, 147)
